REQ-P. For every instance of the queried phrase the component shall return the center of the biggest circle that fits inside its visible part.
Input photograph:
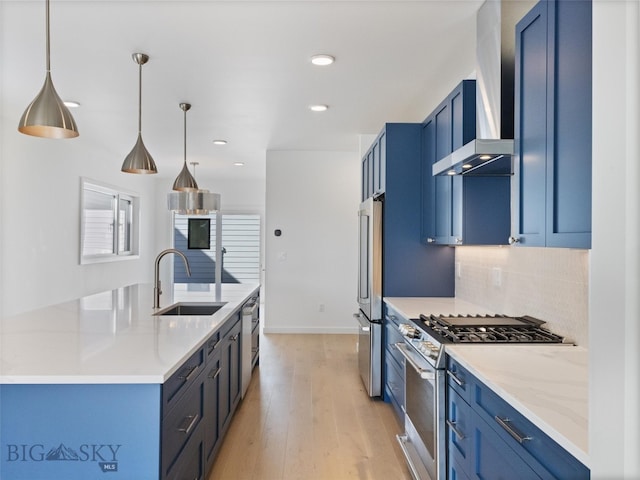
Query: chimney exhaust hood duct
(490, 153)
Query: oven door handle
(426, 373)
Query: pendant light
(139, 159)
(47, 116)
(185, 181)
(194, 202)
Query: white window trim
(135, 223)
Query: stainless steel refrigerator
(369, 315)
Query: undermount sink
(192, 309)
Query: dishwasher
(250, 339)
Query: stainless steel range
(423, 442)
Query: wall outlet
(496, 277)
(321, 307)
(458, 270)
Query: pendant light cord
(185, 137)
(139, 99)
(48, 46)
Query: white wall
(40, 215)
(614, 353)
(312, 197)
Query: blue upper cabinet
(391, 169)
(552, 168)
(459, 210)
(374, 168)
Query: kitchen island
(86, 385)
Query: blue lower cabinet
(494, 459)
(393, 361)
(394, 385)
(488, 438)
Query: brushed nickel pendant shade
(193, 202)
(139, 159)
(47, 116)
(185, 181)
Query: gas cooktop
(486, 329)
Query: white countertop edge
(82, 380)
(521, 407)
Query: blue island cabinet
(80, 432)
(552, 168)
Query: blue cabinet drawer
(180, 423)
(528, 441)
(180, 381)
(212, 346)
(393, 336)
(459, 379)
(459, 428)
(393, 315)
(190, 465)
(395, 380)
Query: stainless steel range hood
(490, 153)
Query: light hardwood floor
(306, 416)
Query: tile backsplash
(551, 284)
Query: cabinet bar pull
(192, 419)
(215, 375)
(455, 378)
(215, 345)
(454, 427)
(189, 375)
(506, 424)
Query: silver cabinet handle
(189, 375)
(215, 375)
(455, 378)
(215, 345)
(506, 424)
(454, 428)
(234, 338)
(192, 420)
(431, 240)
(513, 240)
(458, 241)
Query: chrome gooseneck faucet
(157, 290)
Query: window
(108, 224)
(239, 250)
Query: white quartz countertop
(112, 337)
(548, 384)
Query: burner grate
(489, 329)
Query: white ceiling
(243, 65)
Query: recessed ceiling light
(239, 164)
(451, 172)
(485, 157)
(219, 142)
(318, 108)
(71, 104)
(322, 60)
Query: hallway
(306, 416)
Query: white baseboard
(329, 330)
